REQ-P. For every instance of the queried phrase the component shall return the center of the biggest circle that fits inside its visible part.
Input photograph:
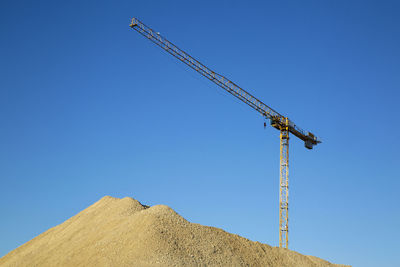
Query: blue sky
(88, 108)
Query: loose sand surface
(123, 232)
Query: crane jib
(277, 120)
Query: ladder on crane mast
(278, 121)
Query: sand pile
(123, 232)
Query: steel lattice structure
(284, 189)
(278, 121)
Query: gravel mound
(123, 232)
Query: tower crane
(278, 121)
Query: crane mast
(278, 121)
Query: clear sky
(88, 108)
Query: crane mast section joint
(277, 120)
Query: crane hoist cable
(278, 121)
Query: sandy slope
(123, 232)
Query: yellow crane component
(278, 121)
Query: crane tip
(133, 23)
